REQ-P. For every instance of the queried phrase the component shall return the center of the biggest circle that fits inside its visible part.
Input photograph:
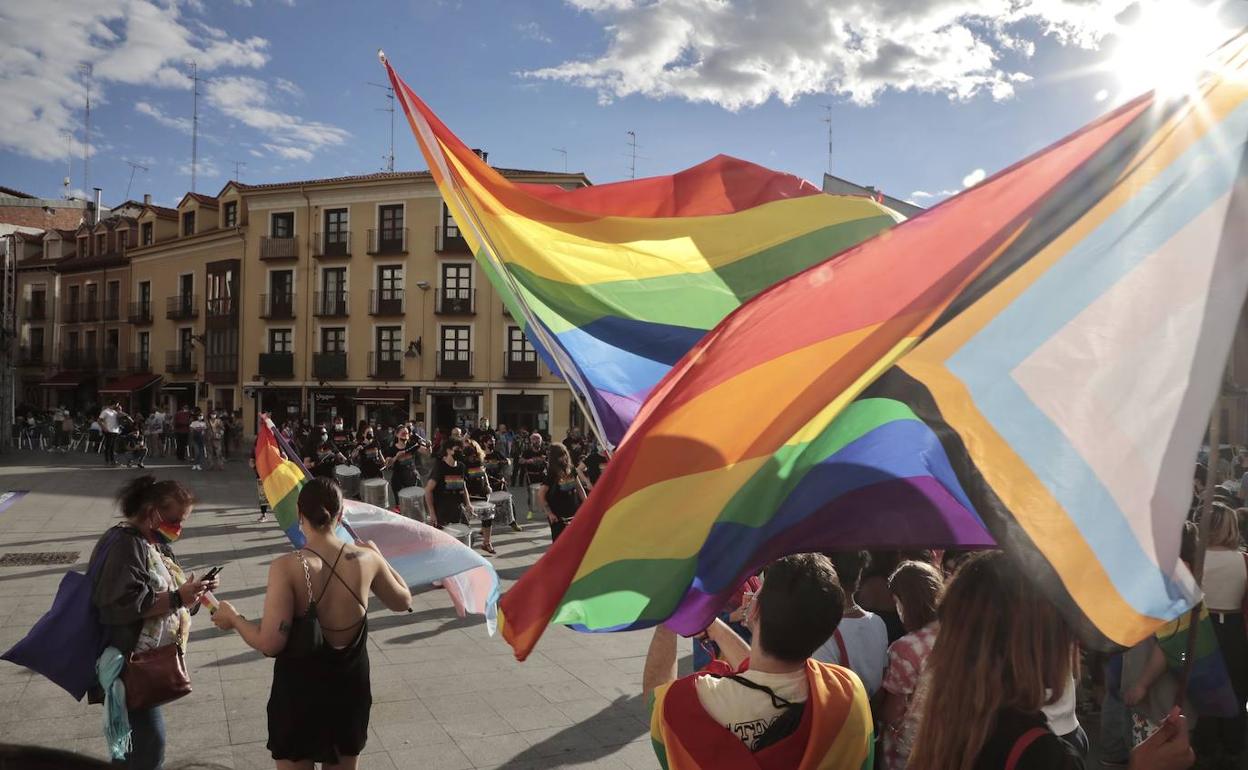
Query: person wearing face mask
(143, 597)
(446, 492)
(368, 457)
(341, 435)
(403, 459)
(322, 464)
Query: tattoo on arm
(283, 628)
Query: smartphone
(212, 573)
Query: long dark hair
(559, 464)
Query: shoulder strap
(102, 555)
(333, 573)
(840, 648)
(1021, 745)
(307, 578)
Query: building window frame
(283, 217)
(229, 214)
(188, 223)
(280, 339)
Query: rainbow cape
(835, 732)
(1036, 356)
(420, 553)
(614, 283)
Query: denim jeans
(147, 734)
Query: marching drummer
(323, 462)
(446, 493)
(368, 456)
(403, 457)
(479, 489)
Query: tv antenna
(85, 71)
(632, 160)
(828, 120)
(238, 174)
(133, 168)
(195, 80)
(69, 155)
(390, 109)
(564, 152)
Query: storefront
(282, 404)
(385, 406)
(328, 403)
(73, 391)
(136, 392)
(174, 395)
(523, 409)
(451, 407)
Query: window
(36, 344)
(89, 340)
(186, 286)
(390, 281)
(71, 342)
(389, 343)
(336, 233)
(93, 299)
(281, 341)
(184, 344)
(282, 284)
(230, 214)
(38, 303)
(519, 349)
(334, 281)
(101, 243)
(282, 225)
(145, 350)
(391, 227)
(449, 228)
(221, 350)
(188, 223)
(112, 348)
(112, 300)
(146, 233)
(145, 297)
(82, 246)
(220, 292)
(457, 280)
(74, 297)
(334, 340)
(456, 343)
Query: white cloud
(289, 87)
(925, 195)
(137, 42)
(740, 53)
(205, 168)
(169, 121)
(974, 178)
(531, 30)
(248, 100)
(288, 153)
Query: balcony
(180, 362)
(329, 366)
(140, 312)
(182, 307)
(392, 241)
(331, 304)
(388, 302)
(277, 306)
(34, 311)
(278, 248)
(221, 368)
(221, 307)
(449, 240)
(453, 365)
(455, 302)
(89, 312)
(139, 363)
(330, 245)
(519, 368)
(30, 356)
(112, 309)
(110, 361)
(388, 368)
(277, 366)
(80, 360)
(69, 313)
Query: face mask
(168, 531)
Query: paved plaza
(445, 694)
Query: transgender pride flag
(420, 553)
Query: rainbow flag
(835, 732)
(1209, 684)
(1038, 354)
(420, 553)
(614, 283)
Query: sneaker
(515, 526)
(263, 517)
(141, 465)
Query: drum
(412, 503)
(482, 509)
(461, 532)
(535, 507)
(348, 477)
(502, 507)
(376, 492)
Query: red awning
(382, 395)
(131, 383)
(63, 380)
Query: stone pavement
(445, 694)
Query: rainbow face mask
(168, 532)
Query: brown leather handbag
(155, 677)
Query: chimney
(99, 193)
(482, 154)
(147, 199)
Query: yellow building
(352, 297)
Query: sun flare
(1165, 47)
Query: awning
(63, 380)
(382, 395)
(131, 383)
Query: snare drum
(376, 492)
(482, 509)
(461, 532)
(412, 503)
(502, 506)
(348, 477)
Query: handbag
(155, 677)
(65, 643)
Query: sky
(926, 96)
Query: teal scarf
(116, 722)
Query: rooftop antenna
(632, 162)
(564, 152)
(133, 168)
(238, 174)
(195, 80)
(390, 109)
(69, 155)
(85, 71)
(828, 120)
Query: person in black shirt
(341, 435)
(446, 492)
(595, 463)
(403, 458)
(533, 460)
(478, 483)
(497, 470)
(322, 464)
(368, 456)
(561, 493)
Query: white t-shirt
(109, 418)
(745, 711)
(1225, 580)
(866, 644)
(1061, 714)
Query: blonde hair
(1001, 645)
(1223, 527)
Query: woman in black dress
(561, 493)
(446, 492)
(320, 700)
